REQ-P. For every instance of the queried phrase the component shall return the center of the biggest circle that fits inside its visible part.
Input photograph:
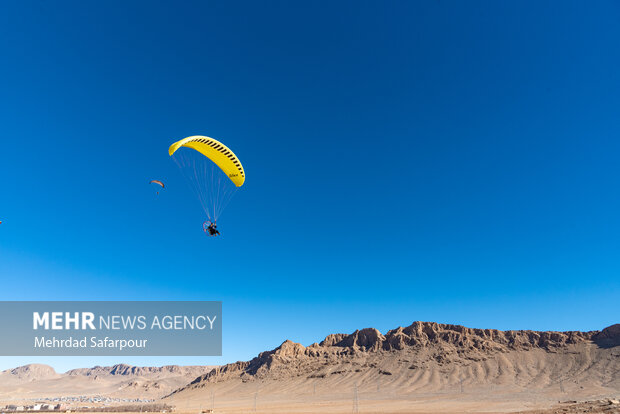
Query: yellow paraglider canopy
(217, 152)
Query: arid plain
(423, 368)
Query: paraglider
(210, 229)
(159, 183)
(213, 171)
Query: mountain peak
(31, 372)
(429, 341)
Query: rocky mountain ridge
(130, 370)
(424, 342)
(30, 372)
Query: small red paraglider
(159, 183)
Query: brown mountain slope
(26, 373)
(437, 363)
(118, 381)
(150, 372)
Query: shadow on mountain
(608, 337)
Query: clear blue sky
(433, 160)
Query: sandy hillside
(118, 381)
(426, 367)
(27, 373)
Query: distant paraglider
(213, 171)
(210, 229)
(159, 183)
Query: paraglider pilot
(210, 228)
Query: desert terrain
(119, 382)
(423, 368)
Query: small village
(34, 407)
(78, 404)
